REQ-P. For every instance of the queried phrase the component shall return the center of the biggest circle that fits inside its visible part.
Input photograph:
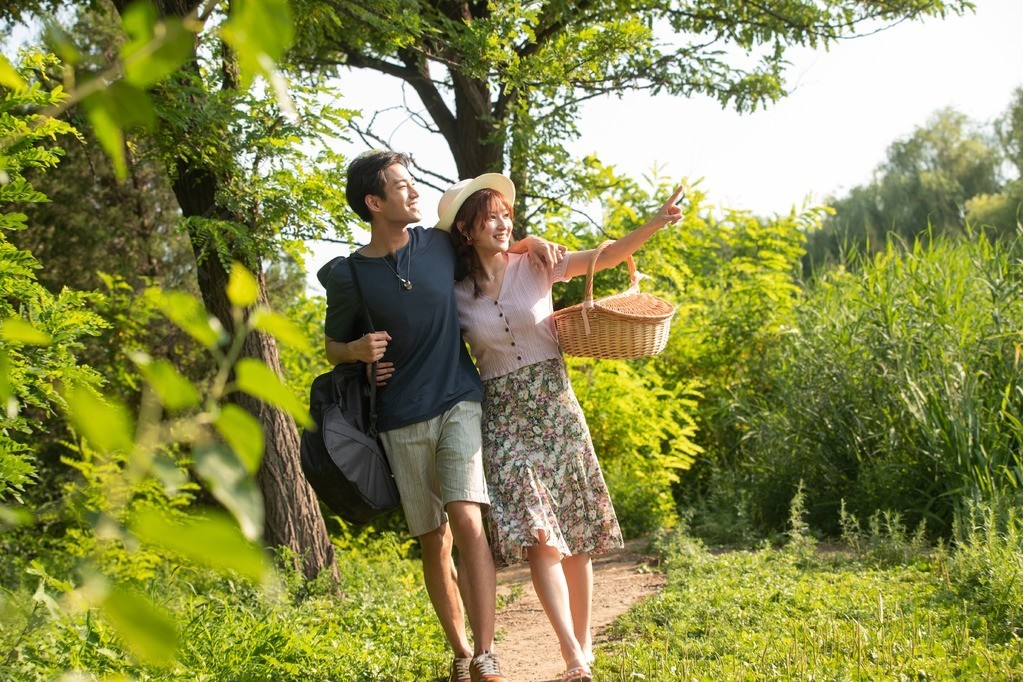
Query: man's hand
(542, 252)
(368, 348)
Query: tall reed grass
(898, 389)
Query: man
(429, 409)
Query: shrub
(898, 389)
(985, 566)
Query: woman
(549, 501)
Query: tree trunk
(292, 512)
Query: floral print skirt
(542, 473)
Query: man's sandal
(577, 674)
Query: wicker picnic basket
(622, 326)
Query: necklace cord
(405, 282)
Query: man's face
(401, 200)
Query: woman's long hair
(470, 216)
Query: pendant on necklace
(406, 284)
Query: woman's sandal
(577, 674)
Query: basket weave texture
(621, 326)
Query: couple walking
(501, 446)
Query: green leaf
(16, 330)
(256, 379)
(175, 391)
(243, 433)
(61, 44)
(242, 287)
(106, 425)
(212, 540)
(6, 391)
(189, 314)
(229, 481)
(170, 475)
(149, 631)
(282, 329)
(13, 517)
(156, 49)
(8, 76)
(111, 110)
(260, 32)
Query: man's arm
(539, 251)
(367, 348)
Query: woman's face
(492, 230)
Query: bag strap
(588, 295)
(371, 431)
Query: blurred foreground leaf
(149, 632)
(212, 540)
(282, 329)
(112, 110)
(16, 330)
(156, 49)
(107, 425)
(259, 381)
(175, 391)
(243, 433)
(228, 479)
(190, 314)
(242, 287)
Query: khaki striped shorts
(435, 462)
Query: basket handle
(588, 295)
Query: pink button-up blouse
(516, 330)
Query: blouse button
(513, 343)
(519, 357)
(501, 314)
(506, 328)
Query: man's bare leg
(476, 571)
(442, 583)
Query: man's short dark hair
(366, 176)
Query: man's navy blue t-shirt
(433, 370)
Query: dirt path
(528, 648)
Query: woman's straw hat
(453, 198)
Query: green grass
(884, 607)
(772, 614)
(375, 625)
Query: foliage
(948, 174)
(181, 77)
(128, 521)
(40, 331)
(734, 281)
(766, 615)
(898, 390)
(94, 222)
(503, 82)
(274, 192)
(374, 623)
(643, 434)
(800, 545)
(885, 541)
(986, 565)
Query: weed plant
(774, 615)
(985, 566)
(899, 388)
(375, 624)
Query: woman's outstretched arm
(617, 251)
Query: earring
(469, 241)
